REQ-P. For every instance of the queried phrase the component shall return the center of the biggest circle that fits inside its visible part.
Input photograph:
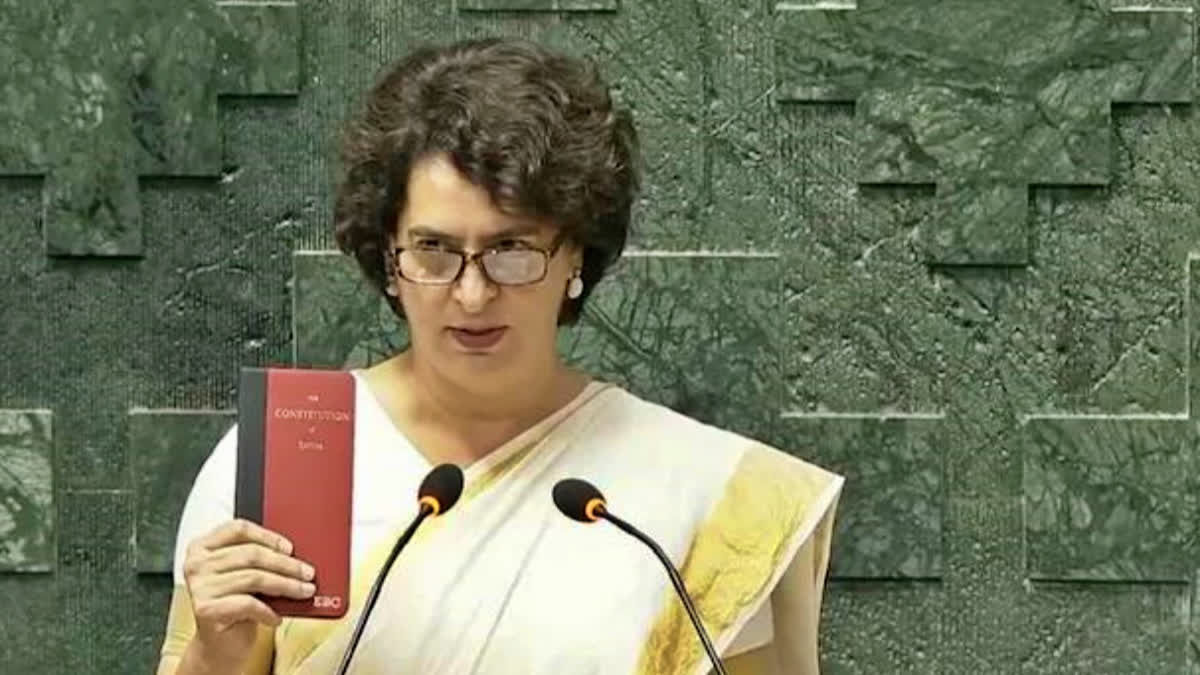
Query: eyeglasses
(435, 265)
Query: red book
(295, 473)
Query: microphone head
(441, 488)
(578, 500)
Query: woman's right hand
(223, 570)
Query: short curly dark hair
(537, 129)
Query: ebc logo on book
(327, 601)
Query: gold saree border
(771, 504)
(297, 639)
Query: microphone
(438, 493)
(580, 500)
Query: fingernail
(285, 546)
(309, 589)
(308, 571)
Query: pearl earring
(575, 288)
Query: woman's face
(474, 326)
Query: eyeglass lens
(502, 267)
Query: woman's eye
(508, 244)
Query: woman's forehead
(442, 202)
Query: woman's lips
(476, 339)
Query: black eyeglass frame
(465, 258)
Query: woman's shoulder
(647, 437)
(629, 412)
(682, 474)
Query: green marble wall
(948, 248)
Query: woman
(488, 187)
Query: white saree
(504, 583)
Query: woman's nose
(473, 289)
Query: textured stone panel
(992, 373)
(537, 5)
(695, 333)
(167, 448)
(867, 330)
(24, 328)
(889, 523)
(744, 184)
(874, 627)
(98, 95)
(340, 321)
(1193, 332)
(99, 610)
(1110, 499)
(259, 48)
(1114, 331)
(152, 598)
(818, 145)
(26, 491)
(986, 612)
(1108, 628)
(1193, 635)
(216, 292)
(982, 101)
(31, 606)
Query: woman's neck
(485, 416)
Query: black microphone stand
(671, 571)
(424, 513)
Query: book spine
(252, 419)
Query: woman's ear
(576, 257)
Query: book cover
(295, 473)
